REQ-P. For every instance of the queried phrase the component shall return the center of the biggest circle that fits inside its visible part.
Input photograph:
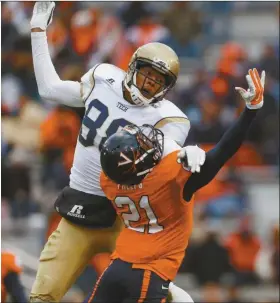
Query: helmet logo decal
(161, 63)
(125, 158)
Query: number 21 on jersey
(132, 215)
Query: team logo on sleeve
(111, 81)
(125, 160)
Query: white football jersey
(106, 112)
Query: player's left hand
(42, 14)
(253, 96)
(192, 158)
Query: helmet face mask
(161, 59)
(150, 141)
(128, 156)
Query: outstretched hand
(42, 15)
(253, 96)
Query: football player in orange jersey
(112, 98)
(10, 282)
(146, 176)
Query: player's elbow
(43, 93)
(47, 92)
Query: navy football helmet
(129, 155)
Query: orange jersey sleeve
(9, 263)
(158, 221)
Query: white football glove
(178, 294)
(42, 14)
(253, 96)
(192, 158)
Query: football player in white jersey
(112, 98)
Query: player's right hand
(42, 14)
(192, 158)
(253, 96)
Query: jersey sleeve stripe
(167, 120)
(92, 83)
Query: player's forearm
(50, 86)
(221, 153)
(232, 139)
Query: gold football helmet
(161, 58)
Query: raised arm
(50, 86)
(231, 140)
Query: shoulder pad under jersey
(173, 122)
(101, 74)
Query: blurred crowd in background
(217, 42)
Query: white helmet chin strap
(136, 96)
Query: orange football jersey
(158, 221)
(9, 263)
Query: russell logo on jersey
(111, 81)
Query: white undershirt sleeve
(50, 86)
